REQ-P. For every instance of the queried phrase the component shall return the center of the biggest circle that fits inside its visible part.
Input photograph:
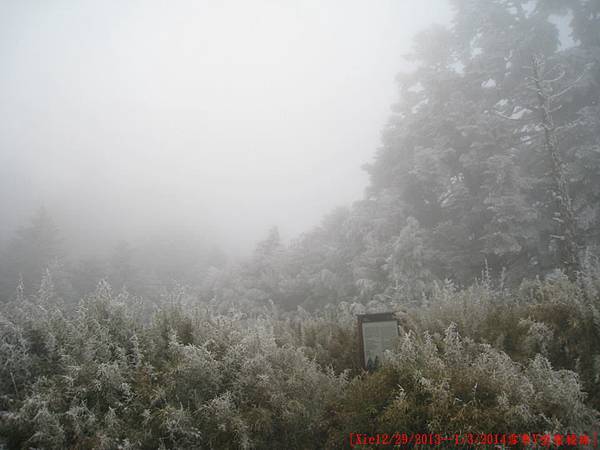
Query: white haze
(128, 118)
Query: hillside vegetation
(479, 229)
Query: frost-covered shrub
(200, 376)
(454, 385)
(191, 378)
(571, 314)
(16, 361)
(328, 336)
(557, 318)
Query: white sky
(130, 117)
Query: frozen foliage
(101, 379)
(101, 376)
(453, 384)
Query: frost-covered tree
(463, 150)
(35, 248)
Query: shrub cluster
(105, 375)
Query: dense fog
(299, 225)
(128, 119)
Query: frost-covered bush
(199, 375)
(329, 336)
(570, 314)
(453, 385)
(101, 378)
(557, 318)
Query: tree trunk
(564, 214)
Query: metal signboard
(377, 333)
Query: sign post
(376, 334)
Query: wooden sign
(376, 333)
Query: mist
(299, 225)
(132, 119)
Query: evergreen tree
(35, 248)
(463, 150)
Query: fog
(299, 224)
(127, 119)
